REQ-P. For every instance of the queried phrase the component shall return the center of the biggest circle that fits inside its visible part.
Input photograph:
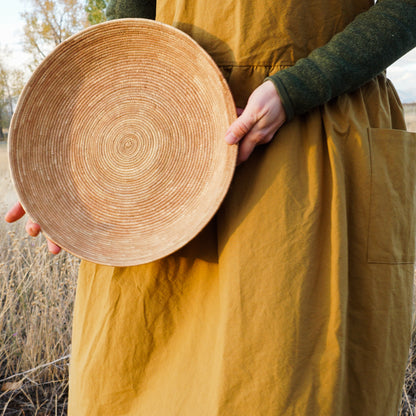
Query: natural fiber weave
(116, 146)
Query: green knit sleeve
(118, 9)
(366, 47)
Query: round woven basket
(116, 146)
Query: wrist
(284, 97)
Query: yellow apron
(296, 299)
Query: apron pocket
(391, 231)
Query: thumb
(239, 128)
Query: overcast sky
(11, 32)
(402, 73)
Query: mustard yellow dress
(296, 298)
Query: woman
(296, 299)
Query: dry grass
(36, 295)
(36, 298)
(408, 403)
(36, 301)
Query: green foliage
(96, 11)
(49, 22)
(11, 83)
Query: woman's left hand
(258, 122)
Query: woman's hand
(33, 229)
(258, 122)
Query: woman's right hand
(33, 229)
(258, 122)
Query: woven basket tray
(116, 146)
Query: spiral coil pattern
(116, 147)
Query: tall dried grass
(408, 402)
(36, 302)
(36, 295)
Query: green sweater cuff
(366, 47)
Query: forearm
(366, 47)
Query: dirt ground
(3, 159)
(7, 193)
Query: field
(36, 298)
(36, 301)
(410, 113)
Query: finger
(257, 136)
(32, 228)
(15, 213)
(240, 127)
(53, 248)
(245, 149)
(239, 111)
